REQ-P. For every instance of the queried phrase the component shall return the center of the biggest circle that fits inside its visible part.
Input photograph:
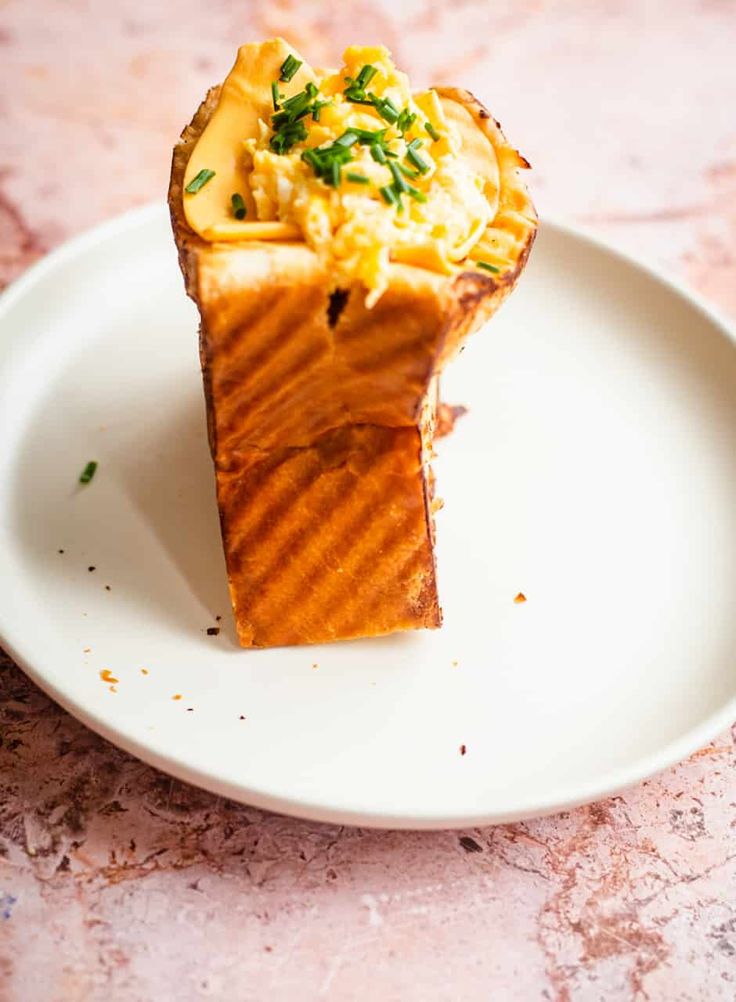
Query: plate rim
(603, 786)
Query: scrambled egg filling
(358, 225)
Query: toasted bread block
(331, 540)
(321, 413)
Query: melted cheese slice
(245, 98)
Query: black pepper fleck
(469, 844)
(212, 631)
(91, 568)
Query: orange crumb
(177, 696)
(107, 676)
(86, 650)
(144, 671)
(113, 688)
(315, 666)
(521, 597)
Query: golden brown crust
(321, 419)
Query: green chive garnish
(385, 108)
(416, 194)
(317, 108)
(389, 195)
(405, 121)
(407, 172)
(366, 137)
(378, 153)
(275, 95)
(88, 472)
(432, 131)
(355, 90)
(365, 76)
(286, 123)
(288, 68)
(199, 181)
(357, 178)
(347, 139)
(326, 161)
(415, 159)
(282, 141)
(487, 266)
(239, 209)
(399, 182)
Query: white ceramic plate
(595, 472)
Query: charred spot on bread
(337, 303)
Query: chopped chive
(399, 182)
(199, 181)
(357, 96)
(335, 174)
(289, 134)
(390, 153)
(88, 472)
(416, 160)
(311, 89)
(488, 266)
(239, 209)
(275, 95)
(378, 153)
(317, 108)
(385, 108)
(367, 136)
(405, 121)
(357, 178)
(310, 157)
(416, 144)
(365, 76)
(416, 194)
(389, 195)
(432, 131)
(408, 172)
(347, 139)
(288, 68)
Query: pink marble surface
(119, 883)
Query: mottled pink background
(118, 883)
